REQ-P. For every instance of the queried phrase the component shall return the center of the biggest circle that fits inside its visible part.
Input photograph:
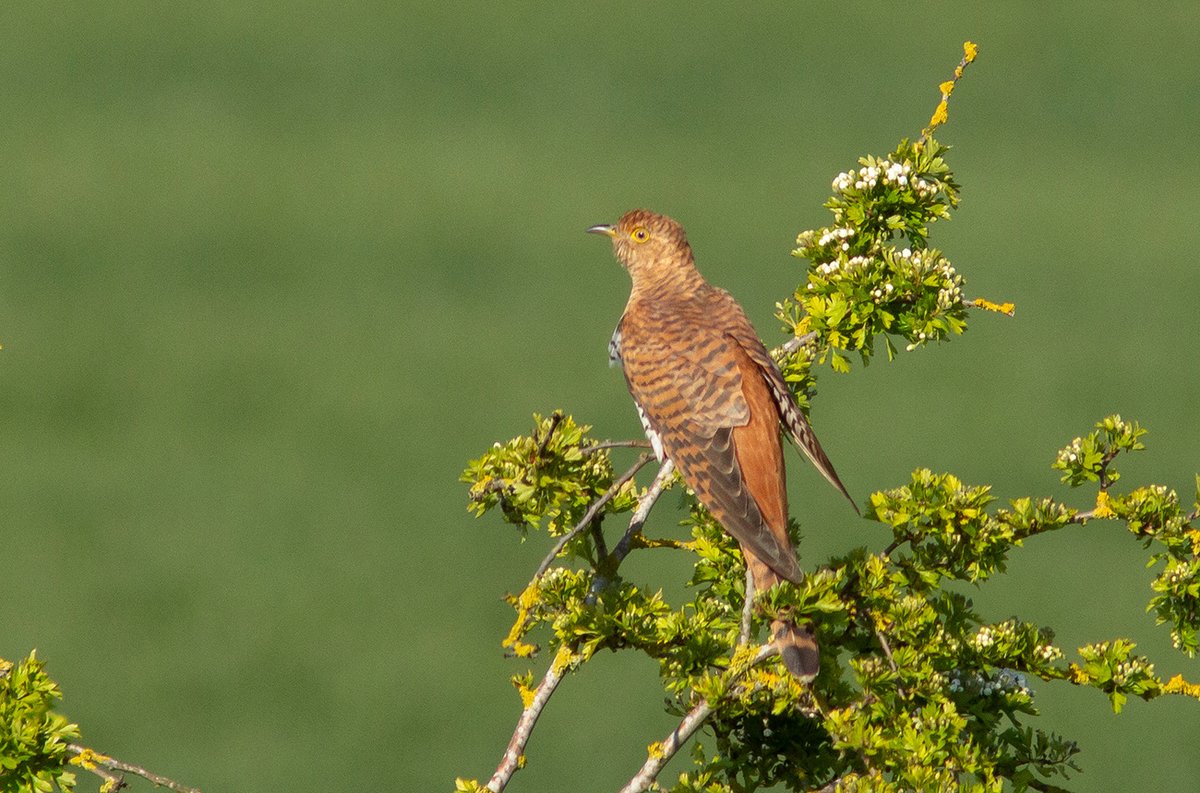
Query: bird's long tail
(798, 649)
(797, 645)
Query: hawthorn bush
(916, 691)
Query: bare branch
(613, 561)
(887, 651)
(747, 609)
(511, 760)
(643, 511)
(632, 444)
(102, 766)
(670, 746)
(794, 343)
(591, 513)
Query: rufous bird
(712, 400)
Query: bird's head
(645, 242)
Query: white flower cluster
(848, 266)
(1006, 681)
(1048, 652)
(1072, 452)
(1123, 671)
(988, 634)
(951, 292)
(1177, 572)
(894, 174)
(882, 291)
(835, 234)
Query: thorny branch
(591, 513)
(794, 343)
(103, 766)
(511, 760)
(555, 420)
(631, 444)
(747, 609)
(624, 546)
(675, 740)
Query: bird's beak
(603, 228)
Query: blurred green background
(271, 273)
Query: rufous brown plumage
(713, 400)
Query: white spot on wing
(651, 435)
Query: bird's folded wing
(690, 392)
(789, 412)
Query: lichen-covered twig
(513, 755)
(592, 512)
(661, 753)
(103, 766)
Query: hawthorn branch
(625, 545)
(555, 420)
(747, 609)
(630, 444)
(608, 568)
(794, 343)
(511, 760)
(674, 741)
(591, 513)
(887, 652)
(103, 766)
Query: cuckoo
(712, 400)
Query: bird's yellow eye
(639, 234)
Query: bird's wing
(686, 376)
(789, 412)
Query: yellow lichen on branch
(1103, 506)
(524, 602)
(941, 112)
(1001, 308)
(1177, 685)
(89, 759)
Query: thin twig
(555, 420)
(101, 765)
(598, 539)
(675, 740)
(747, 609)
(631, 444)
(795, 343)
(591, 513)
(608, 567)
(643, 511)
(887, 651)
(511, 760)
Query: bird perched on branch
(712, 400)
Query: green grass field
(271, 273)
